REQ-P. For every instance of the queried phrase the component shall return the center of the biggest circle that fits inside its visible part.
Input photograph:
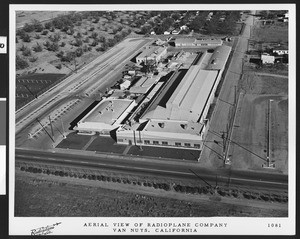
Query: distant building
(125, 85)
(151, 53)
(184, 27)
(267, 59)
(193, 42)
(281, 51)
(176, 32)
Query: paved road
(86, 81)
(220, 117)
(169, 169)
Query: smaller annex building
(154, 53)
(107, 115)
(193, 42)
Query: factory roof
(143, 85)
(173, 126)
(219, 58)
(191, 94)
(208, 41)
(107, 111)
(151, 52)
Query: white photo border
(234, 225)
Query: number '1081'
(274, 225)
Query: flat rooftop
(143, 85)
(151, 51)
(107, 111)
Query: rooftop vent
(184, 126)
(162, 125)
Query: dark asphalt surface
(171, 169)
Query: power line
(215, 133)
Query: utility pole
(269, 124)
(45, 130)
(35, 96)
(51, 127)
(62, 125)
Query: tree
(78, 42)
(53, 47)
(111, 42)
(145, 29)
(102, 39)
(79, 52)
(48, 25)
(167, 23)
(175, 16)
(26, 52)
(55, 37)
(33, 59)
(70, 56)
(45, 32)
(21, 63)
(94, 43)
(21, 33)
(198, 23)
(37, 48)
(38, 26)
(94, 35)
(28, 27)
(118, 37)
(26, 38)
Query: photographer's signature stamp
(44, 230)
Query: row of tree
(157, 185)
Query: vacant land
(50, 196)
(277, 32)
(251, 123)
(258, 86)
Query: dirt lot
(47, 195)
(277, 32)
(251, 123)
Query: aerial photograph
(170, 113)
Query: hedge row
(164, 186)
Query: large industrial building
(163, 111)
(177, 115)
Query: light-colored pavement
(220, 117)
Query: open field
(277, 32)
(251, 123)
(23, 17)
(48, 195)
